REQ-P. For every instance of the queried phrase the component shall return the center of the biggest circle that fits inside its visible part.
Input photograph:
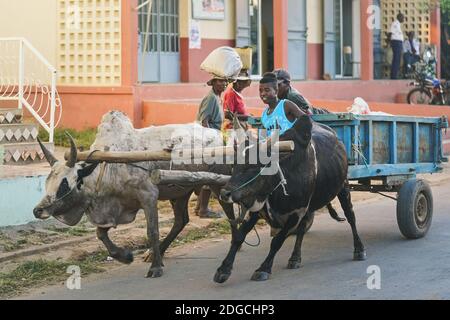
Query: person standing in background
(411, 49)
(233, 100)
(210, 115)
(397, 45)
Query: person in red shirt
(233, 100)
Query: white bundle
(223, 62)
(359, 106)
(116, 133)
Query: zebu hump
(116, 133)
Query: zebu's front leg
(120, 254)
(264, 271)
(224, 271)
(227, 208)
(229, 212)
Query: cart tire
(414, 209)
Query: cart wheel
(414, 209)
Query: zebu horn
(48, 155)
(282, 146)
(73, 152)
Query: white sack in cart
(360, 106)
(223, 62)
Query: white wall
(34, 20)
(314, 9)
(210, 29)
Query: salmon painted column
(435, 35)
(130, 55)
(129, 42)
(280, 29)
(366, 40)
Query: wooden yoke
(164, 155)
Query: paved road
(418, 269)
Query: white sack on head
(223, 62)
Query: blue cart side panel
(379, 146)
(405, 146)
(381, 142)
(426, 143)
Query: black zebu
(316, 172)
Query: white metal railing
(28, 78)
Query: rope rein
(283, 181)
(254, 228)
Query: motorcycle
(427, 88)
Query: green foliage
(217, 227)
(77, 231)
(192, 236)
(84, 139)
(8, 244)
(432, 4)
(43, 272)
(445, 6)
(221, 226)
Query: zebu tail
(334, 214)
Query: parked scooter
(427, 88)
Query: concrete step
(23, 153)
(10, 116)
(17, 133)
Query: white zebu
(115, 196)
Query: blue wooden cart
(385, 153)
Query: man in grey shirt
(210, 115)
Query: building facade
(114, 54)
